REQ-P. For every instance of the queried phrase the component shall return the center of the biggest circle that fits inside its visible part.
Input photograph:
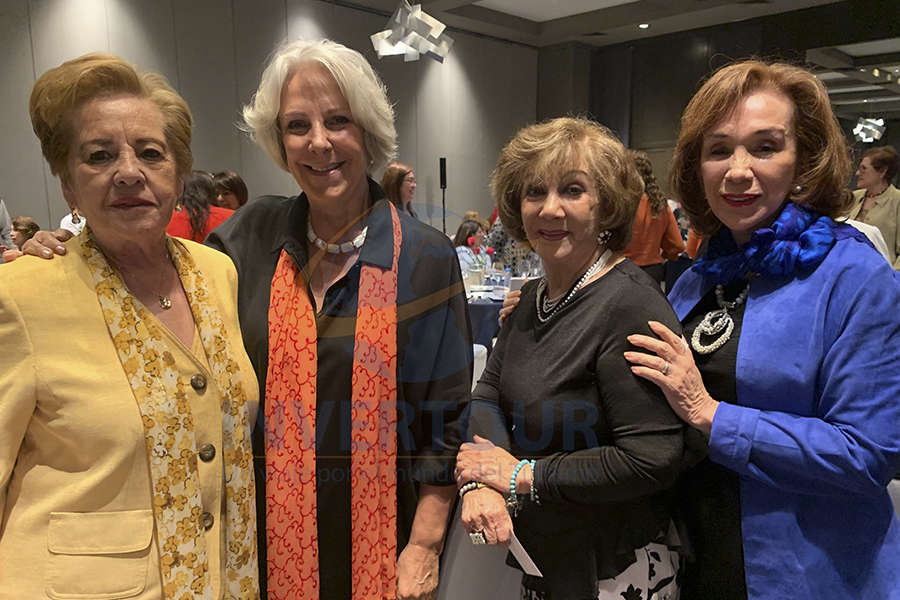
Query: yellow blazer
(75, 488)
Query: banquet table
(484, 314)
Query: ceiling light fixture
(412, 32)
(644, 26)
(869, 130)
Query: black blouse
(607, 442)
(709, 494)
(434, 361)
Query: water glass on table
(499, 282)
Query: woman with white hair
(354, 317)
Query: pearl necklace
(551, 307)
(344, 248)
(718, 322)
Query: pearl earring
(603, 237)
(798, 189)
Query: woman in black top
(588, 448)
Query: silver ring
(477, 538)
(665, 369)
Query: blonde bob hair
(358, 82)
(59, 92)
(823, 161)
(542, 151)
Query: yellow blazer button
(207, 452)
(206, 519)
(198, 382)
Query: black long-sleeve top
(607, 443)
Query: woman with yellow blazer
(125, 409)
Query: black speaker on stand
(443, 162)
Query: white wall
(213, 52)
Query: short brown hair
(392, 180)
(538, 151)
(26, 226)
(59, 92)
(823, 161)
(886, 158)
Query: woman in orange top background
(655, 235)
(196, 213)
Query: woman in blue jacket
(788, 365)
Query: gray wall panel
(22, 183)
(144, 33)
(206, 76)
(62, 30)
(259, 25)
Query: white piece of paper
(515, 546)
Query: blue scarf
(797, 241)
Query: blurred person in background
(877, 202)
(73, 222)
(470, 248)
(515, 255)
(231, 191)
(399, 183)
(23, 229)
(5, 228)
(655, 236)
(195, 213)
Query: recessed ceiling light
(876, 72)
(644, 26)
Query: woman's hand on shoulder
(417, 573)
(509, 304)
(671, 366)
(45, 243)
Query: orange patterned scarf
(291, 525)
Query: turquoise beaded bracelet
(512, 502)
(515, 473)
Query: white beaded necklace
(344, 248)
(550, 308)
(718, 322)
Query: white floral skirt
(653, 576)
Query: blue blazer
(815, 436)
